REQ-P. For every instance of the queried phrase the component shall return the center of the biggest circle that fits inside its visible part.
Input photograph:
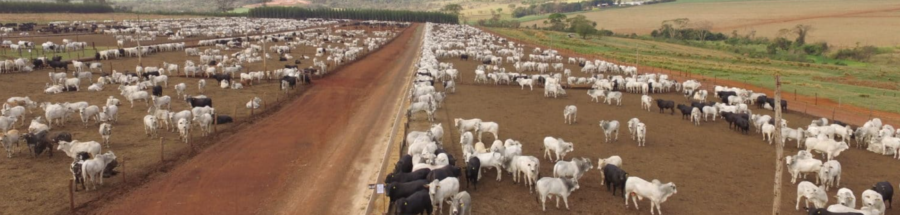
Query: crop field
(38, 185)
(875, 87)
(836, 22)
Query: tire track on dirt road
(311, 157)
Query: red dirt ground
(300, 160)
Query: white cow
(558, 146)
(608, 128)
(92, 169)
(560, 187)
(812, 193)
(657, 192)
(150, 125)
(570, 114)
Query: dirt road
(308, 158)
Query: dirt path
(307, 153)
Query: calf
(615, 178)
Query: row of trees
(357, 14)
(49, 7)
(578, 24)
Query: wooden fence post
(72, 194)
(795, 94)
(124, 180)
(817, 98)
(162, 149)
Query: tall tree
(557, 21)
(703, 27)
(802, 31)
(582, 26)
(452, 8)
(224, 5)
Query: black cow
(399, 190)
(38, 143)
(417, 203)
(223, 119)
(762, 100)
(282, 58)
(407, 176)
(110, 169)
(199, 102)
(743, 125)
(472, 171)
(486, 61)
(58, 64)
(842, 124)
(665, 104)
(76, 169)
(685, 111)
(290, 66)
(724, 95)
(405, 164)
(147, 75)
(615, 178)
(38, 63)
(464, 57)
(61, 136)
(886, 190)
(824, 211)
(444, 172)
(157, 90)
(292, 81)
(699, 105)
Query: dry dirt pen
(717, 170)
(40, 185)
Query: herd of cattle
(219, 61)
(427, 175)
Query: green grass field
(827, 80)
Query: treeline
(566, 7)
(357, 14)
(49, 7)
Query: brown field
(49, 17)
(837, 22)
(39, 185)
